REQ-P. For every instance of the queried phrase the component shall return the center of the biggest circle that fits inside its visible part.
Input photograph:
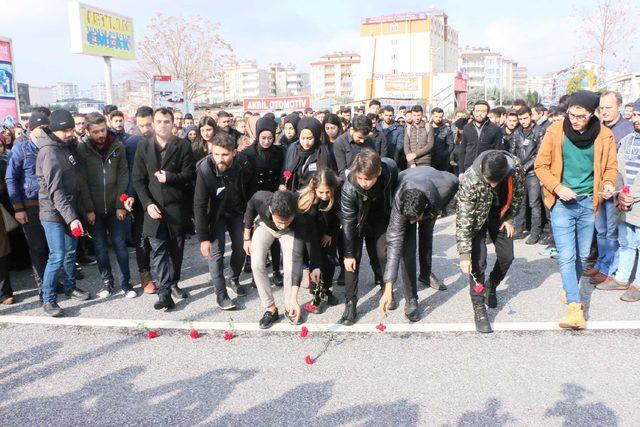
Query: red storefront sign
(277, 104)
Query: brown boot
(599, 278)
(632, 294)
(148, 286)
(590, 271)
(574, 319)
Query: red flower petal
(308, 360)
(194, 334)
(152, 334)
(76, 232)
(310, 307)
(287, 175)
(228, 336)
(124, 197)
(479, 287)
(381, 327)
(626, 189)
(304, 332)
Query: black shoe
(544, 239)
(78, 294)
(165, 302)
(533, 239)
(52, 309)
(411, 310)
(268, 319)
(277, 280)
(481, 319)
(236, 288)
(332, 300)
(79, 274)
(350, 313)
(178, 292)
(86, 260)
(225, 303)
(423, 280)
(436, 284)
(107, 290)
(490, 298)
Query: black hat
(586, 99)
(313, 125)
(37, 119)
(292, 118)
(61, 120)
(265, 123)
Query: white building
(42, 95)
(628, 85)
(99, 91)
(487, 70)
(238, 81)
(66, 91)
(332, 75)
(285, 80)
(401, 53)
(544, 86)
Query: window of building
(394, 28)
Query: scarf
(586, 138)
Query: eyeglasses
(581, 117)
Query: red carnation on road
(228, 336)
(152, 334)
(194, 334)
(304, 332)
(381, 327)
(308, 360)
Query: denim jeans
(62, 256)
(629, 239)
(573, 224)
(117, 232)
(607, 238)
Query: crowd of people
(299, 195)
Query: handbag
(10, 223)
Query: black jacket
(442, 145)
(345, 149)
(212, 190)
(440, 187)
(172, 197)
(472, 145)
(302, 171)
(267, 166)
(354, 209)
(525, 146)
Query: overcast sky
(540, 36)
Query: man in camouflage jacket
(489, 196)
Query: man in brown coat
(418, 139)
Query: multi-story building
(520, 79)
(332, 75)
(285, 80)
(42, 95)
(66, 91)
(491, 70)
(543, 85)
(236, 82)
(401, 53)
(99, 91)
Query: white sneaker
(105, 293)
(130, 294)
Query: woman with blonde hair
(318, 200)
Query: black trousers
(143, 249)
(534, 201)
(234, 225)
(375, 238)
(425, 250)
(5, 282)
(504, 253)
(38, 248)
(166, 259)
(329, 256)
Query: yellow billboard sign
(99, 32)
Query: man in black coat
(222, 182)
(366, 199)
(350, 143)
(478, 136)
(162, 174)
(421, 195)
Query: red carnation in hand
(479, 287)
(310, 307)
(626, 189)
(381, 327)
(287, 175)
(194, 334)
(304, 332)
(308, 360)
(152, 334)
(124, 197)
(76, 232)
(228, 336)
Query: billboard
(168, 92)
(99, 32)
(277, 104)
(8, 85)
(412, 16)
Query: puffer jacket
(525, 147)
(419, 140)
(439, 186)
(60, 176)
(22, 183)
(107, 178)
(475, 200)
(354, 211)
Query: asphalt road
(65, 375)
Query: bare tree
(609, 29)
(187, 48)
